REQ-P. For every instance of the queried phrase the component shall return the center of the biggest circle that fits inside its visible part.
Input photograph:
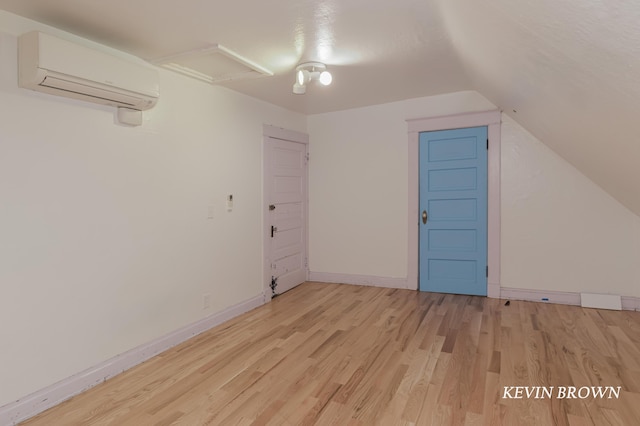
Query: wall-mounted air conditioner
(59, 67)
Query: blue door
(453, 211)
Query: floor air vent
(601, 301)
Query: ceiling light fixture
(310, 71)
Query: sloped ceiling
(568, 71)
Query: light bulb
(300, 77)
(325, 78)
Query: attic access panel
(213, 64)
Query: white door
(286, 214)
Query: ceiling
(375, 52)
(568, 71)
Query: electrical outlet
(206, 301)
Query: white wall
(104, 238)
(559, 231)
(358, 184)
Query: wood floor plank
(331, 354)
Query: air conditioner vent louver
(87, 90)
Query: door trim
(272, 132)
(492, 120)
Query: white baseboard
(630, 303)
(328, 277)
(493, 290)
(50, 396)
(561, 297)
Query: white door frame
(273, 132)
(491, 119)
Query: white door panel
(286, 200)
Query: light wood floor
(331, 354)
